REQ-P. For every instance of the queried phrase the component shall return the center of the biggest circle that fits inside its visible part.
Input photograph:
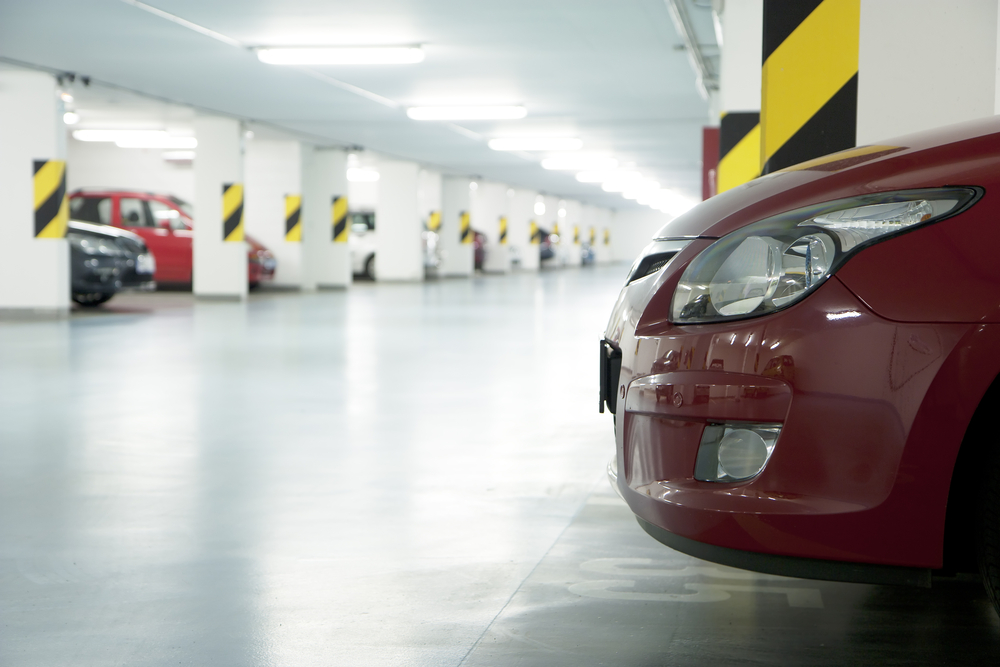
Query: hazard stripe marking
(503, 230)
(534, 233)
(51, 206)
(466, 228)
(293, 218)
(593, 236)
(434, 221)
(831, 129)
(816, 62)
(338, 213)
(742, 162)
(782, 19)
(607, 236)
(576, 234)
(232, 212)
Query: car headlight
(776, 262)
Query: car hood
(950, 156)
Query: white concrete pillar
(489, 205)
(220, 266)
(574, 232)
(398, 253)
(35, 273)
(549, 219)
(273, 171)
(900, 76)
(739, 92)
(326, 263)
(604, 250)
(429, 212)
(522, 203)
(457, 257)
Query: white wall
(632, 230)
(428, 193)
(101, 164)
(923, 64)
(273, 169)
(324, 176)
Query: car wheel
(989, 533)
(370, 267)
(91, 298)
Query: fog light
(734, 452)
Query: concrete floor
(394, 475)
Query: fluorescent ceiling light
(342, 55)
(137, 138)
(178, 156)
(539, 208)
(470, 112)
(579, 163)
(594, 176)
(360, 175)
(71, 118)
(536, 144)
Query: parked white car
(361, 242)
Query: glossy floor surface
(394, 475)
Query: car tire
(989, 532)
(370, 267)
(91, 299)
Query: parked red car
(165, 224)
(804, 370)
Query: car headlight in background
(776, 262)
(145, 263)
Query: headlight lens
(776, 262)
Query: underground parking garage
(302, 303)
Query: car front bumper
(859, 474)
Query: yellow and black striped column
(809, 84)
(593, 237)
(465, 227)
(607, 236)
(535, 234)
(338, 216)
(232, 212)
(434, 221)
(503, 230)
(293, 218)
(576, 234)
(51, 205)
(739, 149)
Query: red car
(165, 223)
(804, 370)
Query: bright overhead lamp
(178, 156)
(536, 144)
(71, 118)
(342, 55)
(469, 112)
(362, 175)
(137, 138)
(582, 163)
(594, 176)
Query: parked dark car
(546, 248)
(105, 260)
(478, 249)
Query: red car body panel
(875, 376)
(172, 245)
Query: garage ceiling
(612, 73)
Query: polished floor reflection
(394, 475)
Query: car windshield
(184, 206)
